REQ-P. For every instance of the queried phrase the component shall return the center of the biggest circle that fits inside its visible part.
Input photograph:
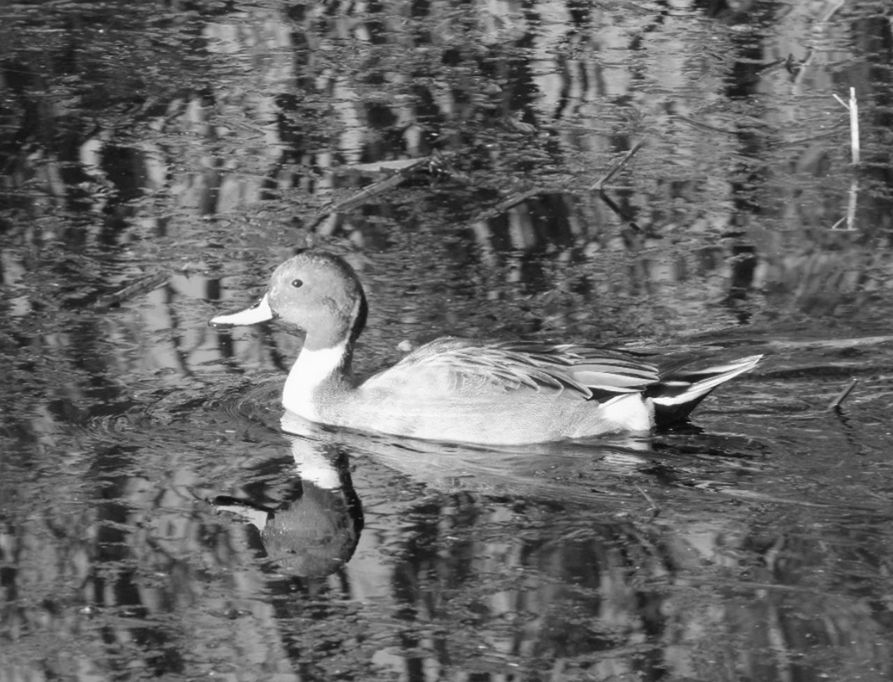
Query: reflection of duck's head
(315, 535)
(315, 532)
(451, 389)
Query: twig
(853, 107)
(400, 171)
(655, 510)
(514, 199)
(851, 205)
(360, 197)
(703, 126)
(138, 287)
(854, 127)
(837, 224)
(599, 185)
(614, 207)
(518, 197)
(838, 401)
(819, 26)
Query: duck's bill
(259, 312)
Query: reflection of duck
(315, 530)
(458, 390)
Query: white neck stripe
(315, 366)
(310, 371)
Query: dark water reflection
(159, 160)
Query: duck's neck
(317, 377)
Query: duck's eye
(297, 283)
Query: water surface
(158, 161)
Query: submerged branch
(600, 185)
(402, 169)
(400, 172)
(138, 287)
(514, 199)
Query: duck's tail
(680, 390)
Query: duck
(502, 392)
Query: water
(158, 162)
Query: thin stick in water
(853, 107)
(838, 401)
(653, 508)
(597, 187)
(854, 126)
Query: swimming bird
(458, 390)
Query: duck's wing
(513, 365)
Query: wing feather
(514, 365)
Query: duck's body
(463, 391)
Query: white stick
(853, 107)
(854, 126)
(851, 205)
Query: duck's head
(316, 291)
